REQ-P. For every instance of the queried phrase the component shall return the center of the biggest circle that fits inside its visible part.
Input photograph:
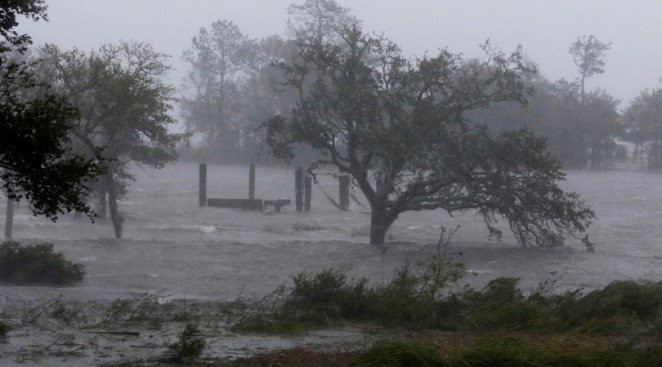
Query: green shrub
(500, 305)
(327, 296)
(620, 307)
(513, 353)
(405, 300)
(494, 354)
(419, 297)
(188, 347)
(398, 353)
(641, 300)
(36, 264)
(4, 328)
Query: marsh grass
(418, 297)
(401, 353)
(506, 350)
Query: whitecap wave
(190, 227)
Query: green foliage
(399, 353)
(588, 54)
(10, 10)
(620, 305)
(400, 128)
(37, 161)
(419, 297)
(125, 108)
(221, 57)
(328, 295)
(493, 354)
(499, 305)
(36, 264)
(188, 347)
(642, 120)
(4, 328)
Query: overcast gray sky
(545, 28)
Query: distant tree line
(232, 86)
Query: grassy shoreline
(420, 318)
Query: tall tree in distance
(124, 106)
(598, 112)
(320, 19)
(399, 128)
(220, 57)
(588, 54)
(37, 162)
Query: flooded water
(174, 246)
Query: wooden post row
(203, 184)
(298, 188)
(308, 188)
(251, 182)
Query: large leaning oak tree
(398, 127)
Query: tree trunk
(112, 205)
(596, 158)
(9, 219)
(379, 224)
(103, 201)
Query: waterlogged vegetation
(431, 323)
(4, 328)
(421, 299)
(421, 316)
(36, 265)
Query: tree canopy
(220, 58)
(124, 107)
(399, 127)
(37, 160)
(588, 53)
(9, 11)
(643, 119)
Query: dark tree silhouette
(399, 128)
(36, 159)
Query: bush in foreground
(419, 298)
(509, 351)
(4, 328)
(400, 353)
(36, 265)
(187, 348)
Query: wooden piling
(203, 184)
(343, 181)
(251, 182)
(298, 188)
(308, 188)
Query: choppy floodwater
(174, 246)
